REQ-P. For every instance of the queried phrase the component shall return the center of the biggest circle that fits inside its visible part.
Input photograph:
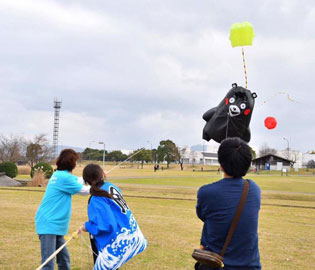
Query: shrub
(25, 170)
(311, 164)
(38, 180)
(44, 167)
(9, 168)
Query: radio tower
(57, 107)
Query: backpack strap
(237, 216)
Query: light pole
(103, 155)
(288, 147)
(150, 144)
(90, 145)
(203, 153)
(151, 150)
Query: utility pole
(103, 155)
(57, 107)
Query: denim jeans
(49, 243)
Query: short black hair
(235, 157)
(67, 160)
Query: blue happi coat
(117, 235)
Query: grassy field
(164, 206)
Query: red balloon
(270, 122)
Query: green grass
(276, 183)
(286, 226)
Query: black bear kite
(231, 117)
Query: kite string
(125, 160)
(227, 125)
(89, 248)
(273, 96)
(53, 255)
(244, 63)
(75, 234)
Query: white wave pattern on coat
(127, 244)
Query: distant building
(298, 159)
(190, 156)
(126, 151)
(271, 162)
(295, 156)
(209, 159)
(307, 157)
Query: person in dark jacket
(216, 206)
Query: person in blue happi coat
(115, 232)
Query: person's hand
(83, 229)
(202, 247)
(104, 174)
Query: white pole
(104, 158)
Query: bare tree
(193, 156)
(265, 150)
(38, 150)
(182, 152)
(11, 148)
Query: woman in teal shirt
(53, 215)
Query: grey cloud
(156, 62)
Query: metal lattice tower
(57, 107)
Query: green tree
(44, 167)
(167, 151)
(253, 152)
(9, 168)
(310, 164)
(93, 154)
(142, 156)
(116, 155)
(154, 155)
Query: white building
(307, 157)
(299, 159)
(206, 157)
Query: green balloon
(242, 34)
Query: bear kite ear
(234, 85)
(254, 95)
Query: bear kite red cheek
(247, 112)
(226, 101)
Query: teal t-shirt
(54, 212)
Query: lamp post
(151, 150)
(103, 155)
(288, 147)
(203, 153)
(150, 144)
(90, 145)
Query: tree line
(167, 151)
(32, 151)
(20, 150)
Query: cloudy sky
(129, 72)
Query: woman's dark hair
(235, 157)
(94, 176)
(67, 160)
